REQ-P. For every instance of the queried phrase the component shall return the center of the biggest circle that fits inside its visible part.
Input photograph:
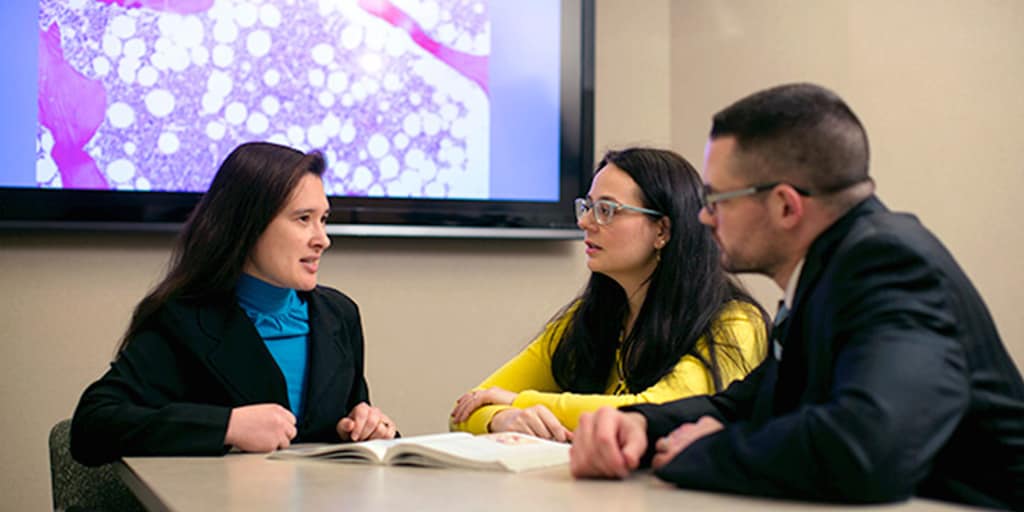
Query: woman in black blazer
(200, 369)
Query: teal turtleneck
(282, 320)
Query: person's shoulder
(176, 311)
(739, 311)
(334, 300)
(893, 234)
(887, 227)
(185, 322)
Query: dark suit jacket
(171, 391)
(893, 382)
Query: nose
(586, 222)
(706, 218)
(320, 239)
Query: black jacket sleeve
(896, 392)
(141, 407)
(735, 403)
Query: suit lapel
(326, 357)
(239, 357)
(799, 352)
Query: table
(251, 482)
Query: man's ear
(789, 205)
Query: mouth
(592, 248)
(311, 264)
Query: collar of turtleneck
(276, 312)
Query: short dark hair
(252, 185)
(801, 133)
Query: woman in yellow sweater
(658, 320)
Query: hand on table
(680, 438)
(365, 422)
(608, 443)
(474, 400)
(536, 421)
(260, 428)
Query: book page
(365, 451)
(508, 451)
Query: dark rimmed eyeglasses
(604, 209)
(709, 198)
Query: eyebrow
(305, 211)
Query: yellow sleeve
(689, 377)
(530, 370)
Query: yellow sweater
(529, 374)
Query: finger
(390, 428)
(558, 431)
(358, 416)
(288, 416)
(456, 411)
(467, 406)
(661, 449)
(381, 432)
(384, 430)
(580, 463)
(665, 453)
(633, 441)
(583, 427)
(463, 410)
(346, 425)
(584, 446)
(609, 456)
(290, 431)
(661, 445)
(682, 431)
(373, 418)
(536, 424)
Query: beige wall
(446, 312)
(937, 84)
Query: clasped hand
(365, 422)
(269, 427)
(537, 420)
(609, 443)
(260, 428)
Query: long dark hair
(250, 188)
(686, 293)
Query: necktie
(780, 319)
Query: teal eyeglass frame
(604, 209)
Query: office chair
(77, 488)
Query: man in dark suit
(887, 377)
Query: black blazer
(893, 382)
(171, 391)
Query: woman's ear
(664, 232)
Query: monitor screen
(440, 117)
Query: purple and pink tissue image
(151, 94)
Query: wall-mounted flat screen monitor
(436, 117)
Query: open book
(506, 451)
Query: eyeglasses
(709, 198)
(604, 209)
